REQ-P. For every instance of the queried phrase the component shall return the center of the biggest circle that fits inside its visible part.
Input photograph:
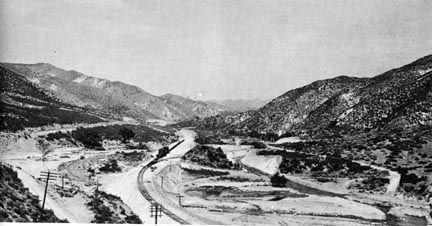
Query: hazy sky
(223, 49)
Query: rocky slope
(399, 97)
(188, 107)
(111, 97)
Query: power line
(155, 211)
(46, 176)
(179, 199)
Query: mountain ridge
(398, 97)
(113, 97)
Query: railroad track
(150, 199)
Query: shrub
(278, 180)
(209, 156)
(126, 134)
(205, 172)
(133, 219)
(110, 166)
(89, 138)
(162, 152)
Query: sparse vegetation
(92, 137)
(134, 156)
(140, 146)
(204, 172)
(109, 209)
(17, 204)
(110, 166)
(376, 184)
(208, 139)
(311, 159)
(240, 179)
(255, 144)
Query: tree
(162, 152)
(126, 134)
(111, 166)
(45, 148)
(258, 145)
(278, 180)
(89, 137)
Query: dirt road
(394, 177)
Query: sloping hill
(190, 107)
(400, 97)
(17, 203)
(24, 104)
(111, 97)
(240, 105)
(294, 106)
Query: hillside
(399, 97)
(240, 105)
(24, 104)
(17, 203)
(294, 106)
(190, 107)
(110, 97)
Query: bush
(162, 152)
(126, 134)
(268, 136)
(278, 180)
(258, 145)
(140, 146)
(133, 219)
(210, 156)
(89, 138)
(205, 172)
(111, 166)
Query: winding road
(394, 177)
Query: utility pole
(70, 182)
(62, 175)
(47, 176)
(1, 169)
(155, 211)
(95, 198)
(97, 187)
(162, 178)
(179, 199)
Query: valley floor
(242, 197)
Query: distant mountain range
(104, 98)
(399, 97)
(38, 94)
